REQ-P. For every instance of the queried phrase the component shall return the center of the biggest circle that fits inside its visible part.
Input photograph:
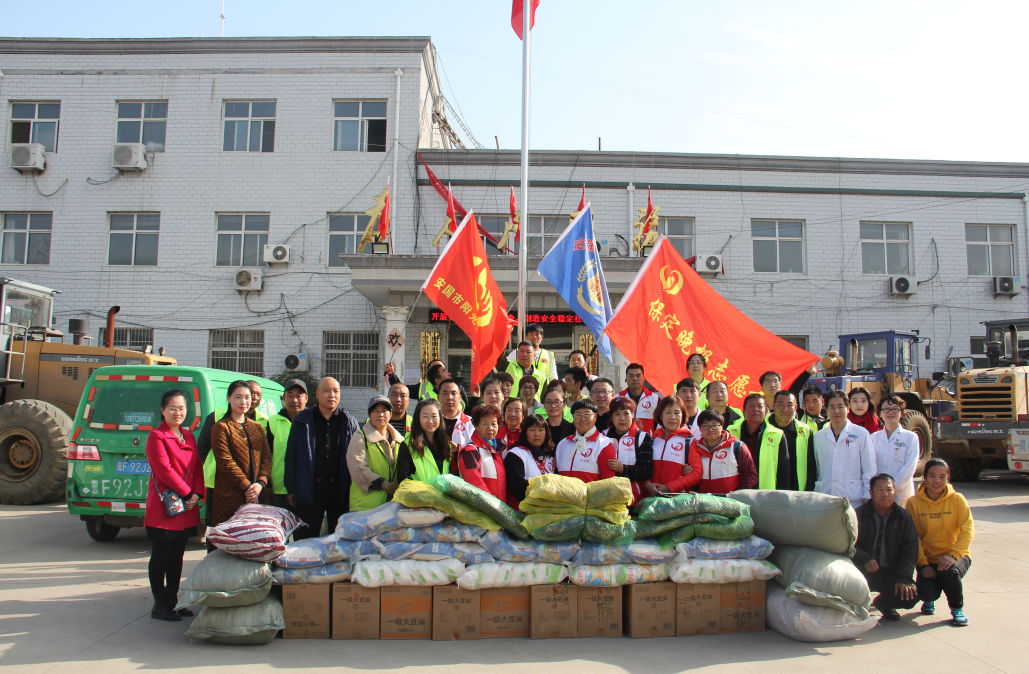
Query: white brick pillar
(395, 317)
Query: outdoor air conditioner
(298, 362)
(129, 156)
(1005, 286)
(709, 264)
(278, 254)
(903, 285)
(248, 279)
(28, 157)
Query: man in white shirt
(896, 448)
(844, 455)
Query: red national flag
(462, 285)
(514, 208)
(451, 215)
(670, 313)
(517, 17)
(443, 191)
(384, 216)
(582, 200)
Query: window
(799, 341)
(351, 358)
(133, 239)
(991, 250)
(778, 246)
(494, 224)
(35, 123)
(249, 125)
(885, 248)
(359, 126)
(871, 354)
(238, 351)
(133, 339)
(345, 232)
(544, 232)
(241, 239)
(680, 234)
(142, 123)
(26, 238)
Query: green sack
(415, 494)
(674, 537)
(663, 508)
(822, 578)
(612, 491)
(654, 528)
(533, 506)
(254, 624)
(553, 487)
(563, 530)
(503, 514)
(597, 530)
(222, 580)
(741, 527)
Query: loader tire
(916, 422)
(34, 438)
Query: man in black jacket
(887, 548)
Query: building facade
(288, 141)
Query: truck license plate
(133, 467)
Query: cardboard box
(455, 613)
(504, 612)
(743, 607)
(406, 612)
(554, 613)
(697, 609)
(305, 610)
(649, 609)
(600, 612)
(355, 611)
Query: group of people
(321, 462)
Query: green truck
(108, 470)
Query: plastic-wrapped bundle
(639, 552)
(353, 550)
(447, 531)
(804, 622)
(610, 575)
(309, 552)
(802, 518)
(609, 499)
(751, 547)
(663, 508)
(467, 553)
(722, 571)
(822, 578)
(738, 527)
(597, 530)
(511, 574)
(552, 487)
(501, 513)
(364, 524)
(653, 528)
(406, 572)
(256, 532)
(672, 538)
(336, 572)
(254, 624)
(562, 530)
(507, 549)
(417, 494)
(222, 580)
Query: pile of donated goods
(447, 531)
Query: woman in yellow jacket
(945, 533)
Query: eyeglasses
(890, 410)
(584, 415)
(710, 427)
(554, 402)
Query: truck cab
(878, 361)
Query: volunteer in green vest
(428, 451)
(766, 443)
(524, 367)
(800, 446)
(695, 365)
(294, 401)
(372, 458)
(399, 419)
(717, 398)
(427, 389)
(813, 403)
(542, 359)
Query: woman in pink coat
(175, 465)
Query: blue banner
(573, 267)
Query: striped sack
(256, 532)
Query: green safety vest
(810, 422)
(568, 415)
(279, 426)
(515, 370)
(701, 398)
(378, 464)
(769, 453)
(407, 427)
(211, 468)
(425, 466)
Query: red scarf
(869, 422)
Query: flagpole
(522, 248)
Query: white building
(256, 141)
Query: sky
(900, 79)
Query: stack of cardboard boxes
(445, 613)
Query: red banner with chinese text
(670, 313)
(462, 284)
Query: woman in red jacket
(175, 465)
(480, 463)
(675, 469)
(512, 415)
(727, 464)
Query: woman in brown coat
(242, 457)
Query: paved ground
(68, 604)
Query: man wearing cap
(316, 476)
(294, 401)
(372, 458)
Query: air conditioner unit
(709, 264)
(277, 254)
(1005, 286)
(298, 362)
(903, 285)
(603, 248)
(129, 156)
(28, 157)
(248, 279)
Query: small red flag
(514, 208)
(582, 201)
(450, 209)
(517, 8)
(384, 216)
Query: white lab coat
(845, 465)
(898, 456)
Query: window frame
(542, 235)
(989, 244)
(794, 339)
(331, 352)
(885, 247)
(250, 120)
(778, 238)
(28, 236)
(242, 349)
(692, 237)
(363, 127)
(134, 339)
(242, 233)
(334, 260)
(33, 120)
(134, 231)
(142, 119)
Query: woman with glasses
(527, 394)
(896, 448)
(634, 448)
(676, 469)
(559, 417)
(585, 454)
(695, 365)
(726, 463)
(531, 456)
